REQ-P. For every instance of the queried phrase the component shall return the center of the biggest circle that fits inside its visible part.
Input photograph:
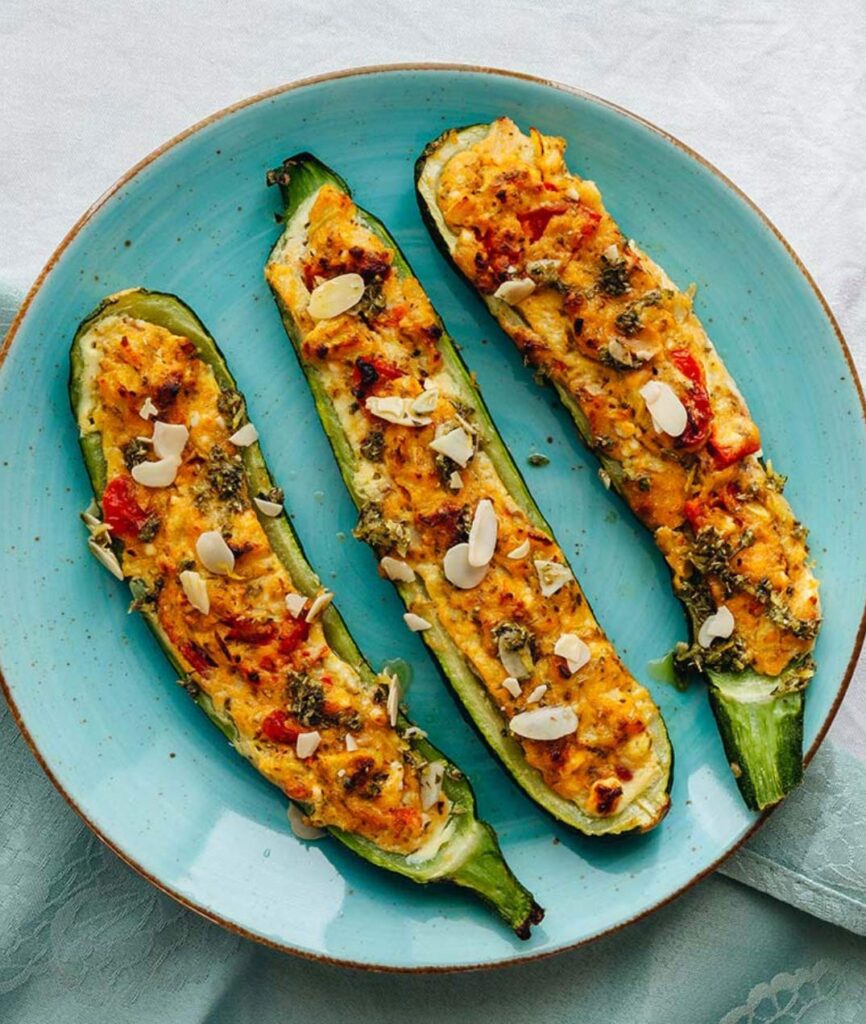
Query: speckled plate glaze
(98, 702)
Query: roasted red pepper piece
(278, 729)
(293, 635)
(249, 631)
(120, 509)
(197, 656)
(534, 222)
(696, 400)
(367, 373)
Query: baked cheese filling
(622, 345)
(437, 512)
(177, 496)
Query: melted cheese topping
(603, 321)
(273, 675)
(414, 509)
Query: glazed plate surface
(94, 694)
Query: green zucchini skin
(471, 856)
(300, 177)
(763, 739)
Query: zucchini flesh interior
(602, 321)
(264, 676)
(416, 504)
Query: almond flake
(300, 827)
(397, 570)
(551, 723)
(307, 743)
(169, 440)
(195, 588)
(455, 481)
(394, 409)
(482, 535)
(537, 694)
(156, 474)
(416, 623)
(351, 743)
(426, 402)
(214, 554)
(552, 576)
(516, 291)
(295, 603)
(668, 413)
(604, 476)
(148, 409)
(244, 436)
(719, 624)
(521, 551)
(457, 444)
(432, 777)
(393, 705)
(330, 298)
(320, 603)
(105, 556)
(457, 569)
(573, 649)
(413, 730)
(516, 662)
(512, 685)
(271, 509)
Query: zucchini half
(470, 856)
(759, 717)
(300, 177)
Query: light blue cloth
(84, 938)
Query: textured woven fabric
(775, 97)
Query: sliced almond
(396, 569)
(515, 291)
(482, 535)
(106, 557)
(611, 253)
(720, 624)
(244, 436)
(394, 409)
(330, 298)
(668, 413)
(432, 777)
(516, 662)
(351, 743)
(457, 444)
(295, 603)
(548, 724)
(161, 473)
(307, 744)
(604, 476)
(512, 685)
(537, 694)
(214, 554)
(271, 509)
(169, 440)
(426, 402)
(320, 603)
(458, 570)
(148, 409)
(521, 551)
(573, 649)
(416, 623)
(300, 827)
(195, 588)
(552, 576)
(393, 705)
(455, 481)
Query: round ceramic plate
(94, 695)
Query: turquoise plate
(98, 702)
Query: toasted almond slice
(295, 603)
(517, 663)
(457, 444)
(271, 509)
(458, 570)
(195, 588)
(455, 481)
(521, 551)
(320, 603)
(330, 298)
(393, 705)
(169, 440)
(214, 554)
(351, 743)
(515, 291)
(244, 436)
(668, 413)
(432, 777)
(611, 253)
(720, 624)
(426, 402)
(106, 556)
(604, 476)
(396, 569)
(300, 827)
(551, 723)
(573, 649)
(161, 473)
(482, 534)
(148, 409)
(512, 685)
(537, 694)
(552, 576)
(416, 623)
(394, 409)
(307, 743)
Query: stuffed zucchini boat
(650, 395)
(448, 514)
(188, 514)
